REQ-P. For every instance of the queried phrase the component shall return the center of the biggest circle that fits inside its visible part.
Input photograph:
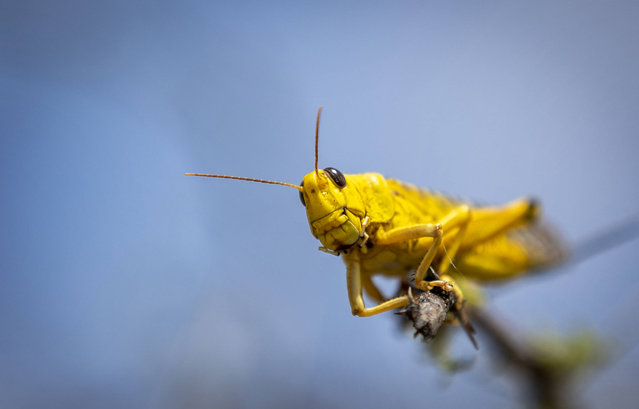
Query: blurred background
(125, 284)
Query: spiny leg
(451, 251)
(458, 219)
(462, 223)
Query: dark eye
(337, 176)
(302, 195)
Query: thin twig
(547, 376)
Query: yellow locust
(384, 226)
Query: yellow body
(384, 226)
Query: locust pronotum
(384, 226)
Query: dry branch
(547, 377)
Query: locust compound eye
(336, 176)
(302, 195)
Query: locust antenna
(271, 182)
(319, 112)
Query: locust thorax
(334, 208)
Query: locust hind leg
(489, 222)
(461, 221)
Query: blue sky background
(125, 284)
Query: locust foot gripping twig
(429, 309)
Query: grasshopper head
(334, 208)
